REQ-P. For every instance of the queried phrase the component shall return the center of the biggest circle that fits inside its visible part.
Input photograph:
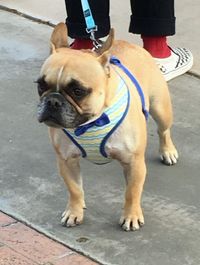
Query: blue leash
(91, 27)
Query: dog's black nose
(55, 101)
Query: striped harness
(91, 137)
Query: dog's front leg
(135, 172)
(70, 171)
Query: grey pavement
(32, 191)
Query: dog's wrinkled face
(73, 84)
(71, 87)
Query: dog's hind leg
(70, 171)
(161, 111)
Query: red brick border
(21, 245)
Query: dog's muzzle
(55, 111)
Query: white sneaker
(179, 62)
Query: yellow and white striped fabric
(93, 141)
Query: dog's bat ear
(103, 52)
(59, 37)
(104, 60)
(107, 44)
(52, 48)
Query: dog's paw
(169, 157)
(133, 221)
(72, 218)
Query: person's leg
(152, 17)
(76, 23)
(154, 20)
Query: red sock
(156, 46)
(79, 44)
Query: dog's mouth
(50, 121)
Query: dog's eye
(78, 92)
(42, 86)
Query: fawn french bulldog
(95, 110)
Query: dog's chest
(120, 146)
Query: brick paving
(21, 245)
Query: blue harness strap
(116, 61)
(91, 27)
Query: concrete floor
(31, 190)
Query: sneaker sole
(180, 71)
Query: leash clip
(96, 43)
(91, 27)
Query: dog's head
(73, 83)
